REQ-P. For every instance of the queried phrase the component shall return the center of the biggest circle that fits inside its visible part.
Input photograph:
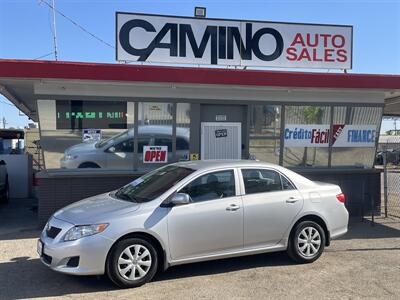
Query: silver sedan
(193, 211)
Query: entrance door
(221, 140)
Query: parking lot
(363, 264)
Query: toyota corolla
(193, 211)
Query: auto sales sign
(168, 39)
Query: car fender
(302, 214)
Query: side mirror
(180, 199)
(2, 163)
(111, 149)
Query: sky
(26, 29)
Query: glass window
(211, 186)
(124, 146)
(79, 133)
(153, 184)
(182, 131)
(355, 156)
(307, 156)
(182, 144)
(261, 181)
(264, 139)
(286, 184)
(155, 122)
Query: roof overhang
(18, 79)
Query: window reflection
(306, 156)
(264, 139)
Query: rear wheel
(132, 263)
(306, 242)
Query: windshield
(117, 137)
(153, 184)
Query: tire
(88, 165)
(123, 274)
(307, 251)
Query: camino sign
(184, 40)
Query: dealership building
(101, 125)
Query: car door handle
(232, 207)
(292, 200)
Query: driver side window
(211, 186)
(125, 146)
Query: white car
(117, 151)
(193, 211)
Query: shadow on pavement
(18, 219)
(382, 228)
(23, 278)
(226, 265)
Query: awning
(19, 77)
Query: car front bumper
(91, 251)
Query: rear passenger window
(286, 184)
(261, 181)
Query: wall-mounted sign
(91, 135)
(155, 154)
(220, 118)
(77, 114)
(169, 39)
(194, 156)
(318, 135)
(220, 133)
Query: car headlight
(81, 231)
(70, 157)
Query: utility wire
(78, 25)
(48, 54)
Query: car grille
(52, 232)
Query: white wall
(19, 174)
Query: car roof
(222, 163)
(160, 130)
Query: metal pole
(372, 209)
(385, 186)
(54, 30)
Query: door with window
(270, 203)
(120, 155)
(213, 222)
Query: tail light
(341, 197)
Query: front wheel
(307, 242)
(132, 263)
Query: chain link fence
(388, 157)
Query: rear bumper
(342, 229)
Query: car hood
(100, 208)
(82, 147)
